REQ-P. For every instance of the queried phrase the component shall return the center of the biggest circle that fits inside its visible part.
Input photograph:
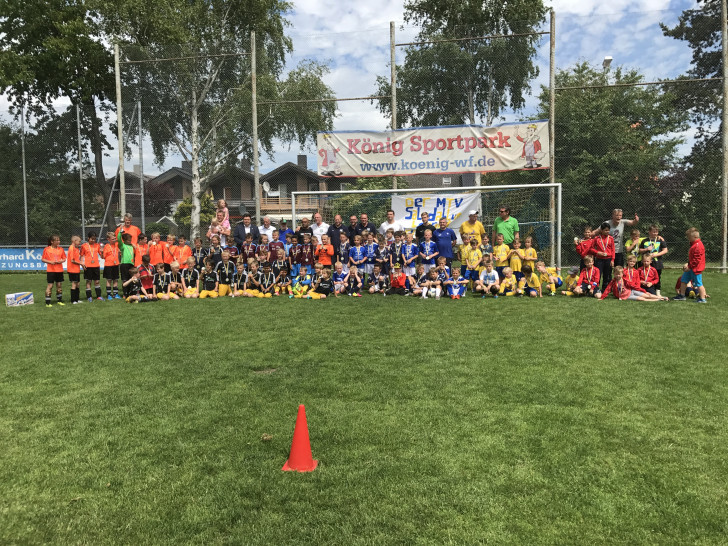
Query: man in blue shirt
(445, 238)
(283, 230)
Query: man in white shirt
(390, 223)
(267, 228)
(319, 226)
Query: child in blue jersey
(372, 252)
(443, 271)
(339, 277)
(488, 283)
(302, 283)
(420, 282)
(428, 251)
(456, 286)
(353, 282)
(409, 255)
(357, 254)
(395, 250)
(379, 282)
(343, 255)
(383, 258)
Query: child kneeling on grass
(208, 281)
(588, 283)
(530, 283)
(324, 286)
(456, 285)
(488, 283)
(509, 284)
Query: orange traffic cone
(300, 458)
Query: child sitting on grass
(550, 276)
(353, 282)
(456, 285)
(208, 281)
(619, 289)
(588, 283)
(488, 283)
(571, 281)
(509, 283)
(530, 283)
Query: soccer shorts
(263, 294)
(92, 273)
(74, 277)
(223, 290)
(690, 276)
(190, 291)
(111, 272)
(368, 268)
(252, 293)
(208, 294)
(54, 276)
(528, 291)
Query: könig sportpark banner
(434, 150)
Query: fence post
(392, 59)
(80, 170)
(25, 181)
(552, 133)
(120, 131)
(254, 101)
(141, 168)
(724, 36)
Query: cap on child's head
(573, 270)
(398, 266)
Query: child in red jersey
(619, 289)
(648, 275)
(588, 284)
(693, 270)
(603, 250)
(53, 257)
(583, 245)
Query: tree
(457, 82)
(183, 214)
(51, 49)
(702, 169)
(615, 148)
(199, 104)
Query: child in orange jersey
(53, 257)
(111, 267)
(90, 258)
(73, 267)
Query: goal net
(536, 207)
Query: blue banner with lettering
(21, 259)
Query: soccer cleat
(90, 300)
(75, 302)
(701, 300)
(48, 305)
(60, 303)
(483, 296)
(109, 297)
(99, 299)
(679, 297)
(117, 297)
(495, 296)
(552, 294)
(290, 297)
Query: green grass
(507, 421)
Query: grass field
(510, 421)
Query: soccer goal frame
(554, 205)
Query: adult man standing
(390, 223)
(305, 227)
(420, 231)
(335, 231)
(243, 228)
(507, 225)
(127, 227)
(267, 228)
(351, 228)
(472, 226)
(365, 225)
(616, 230)
(319, 226)
(445, 238)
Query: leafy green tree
(199, 103)
(464, 81)
(615, 148)
(701, 171)
(183, 213)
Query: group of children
(300, 266)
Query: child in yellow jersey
(549, 275)
(571, 281)
(509, 283)
(529, 253)
(500, 255)
(515, 259)
(463, 250)
(530, 284)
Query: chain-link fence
(621, 142)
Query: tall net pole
(254, 101)
(552, 131)
(724, 35)
(392, 60)
(80, 169)
(120, 132)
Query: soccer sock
(48, 299)
(59, 296)
(74, 295)
(88, 293)
(115, 290)
(108, 290)
(98, 290)
(552, 287)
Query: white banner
(434, 150)
(408, 209)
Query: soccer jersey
(74, 254)
(252, 280)
(134, 288)
(90, 254)
(168, 253)
(325, 286)
(500, 255)
(111, 255)
(357, 254)
(248, 251)
(283, 280)
(532, 281)
(215, 254)
(324, 253)
(262, 249)
(161, 282)
(277, 266)
(343, 255)
(190, 276)
(409, 251)
(199, 255)
(306, 254)
(371, 250)
(56, 254)
(156, 252)
(126, 251)
(146, 274)
(267, 280)
(571, 282)
(508, 284)
(209, 280)
(529, 257)
(489, 277)
(516, 260)
(473, 257)
(654, 246)
(273, 248)
(428, 248)
(225, 272)
(142, 250)
(175, 278)
(422, 280)
(184, 252)
(550, 271)
(486, 249)
(443, 274)
(395, 253)
(339, 277)
(381, 282)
